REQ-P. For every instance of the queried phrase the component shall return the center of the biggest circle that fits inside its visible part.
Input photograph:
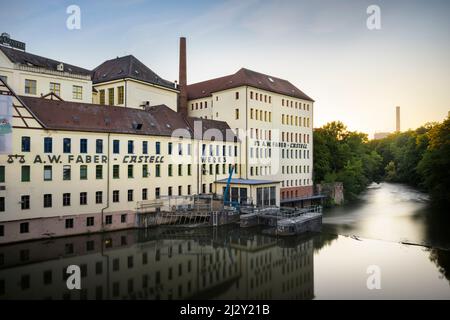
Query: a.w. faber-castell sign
(81, 159)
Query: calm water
(233, 263)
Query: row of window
(294, 183)
(199, 105)
(55, 87)
(111, 96)
(294, 137)
(294, 120)
(83, 171)
(294, 154)
(259, 97)
(260, 134)
(295, 104)
(25, 200)
(261, 115)
(294, 169)
(67, 147)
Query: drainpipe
(107, 182)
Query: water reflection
(224, 263)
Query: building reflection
(223, 263)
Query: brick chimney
(182, 98)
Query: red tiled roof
(73, 116)
(245, 77)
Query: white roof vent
(271, 80)
(60, 67)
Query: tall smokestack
(182, 98)
(397, 118)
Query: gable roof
(74, 116)
(32, 60)
(127, 67)
(245, 77)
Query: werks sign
(292, 145)
(85, 158)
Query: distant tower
(397, 119)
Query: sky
(324, 47)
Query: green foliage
(345, 156)
(418, 157)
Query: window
(189, 190)
(108, 219)
(83, 198)
(145, 171)
(99, 197)
(26, 173)
(158, 147)
(77, 92)
(237, 114)
(116, 196)
(130, 195)
(66, 172)
(111, 96)
(47, 173)
(144, 147)
(99, 146)
(169, 191)
(120, 95)
(102, 96)
(116, 171)
(130, 171)
(2, 174)
(55, 88)
(144, 194)
(89, 221)
(251, 113)
(130, 146)
(48, 145)
(158, 170)
(169, 148)
(66, 145)
(47, 200)
(180, 149)
(157, 193)
(69, 223)
(2, 204)
(180, 170)
(30, 86)
(24, 227)
(189, 169)
(83, 172)
(26, 144)
(99, 171)
(237, 95)
(189, 149)
(116, 146)
(25, 202)
(66, 199)
(83, 145)
(180, 190)
(169, 170)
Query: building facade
(274, 121)
(35, 76)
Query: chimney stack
(182, 81)
(397, 118)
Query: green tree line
(420, 158)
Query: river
(390, 244)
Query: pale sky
(355, 75)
